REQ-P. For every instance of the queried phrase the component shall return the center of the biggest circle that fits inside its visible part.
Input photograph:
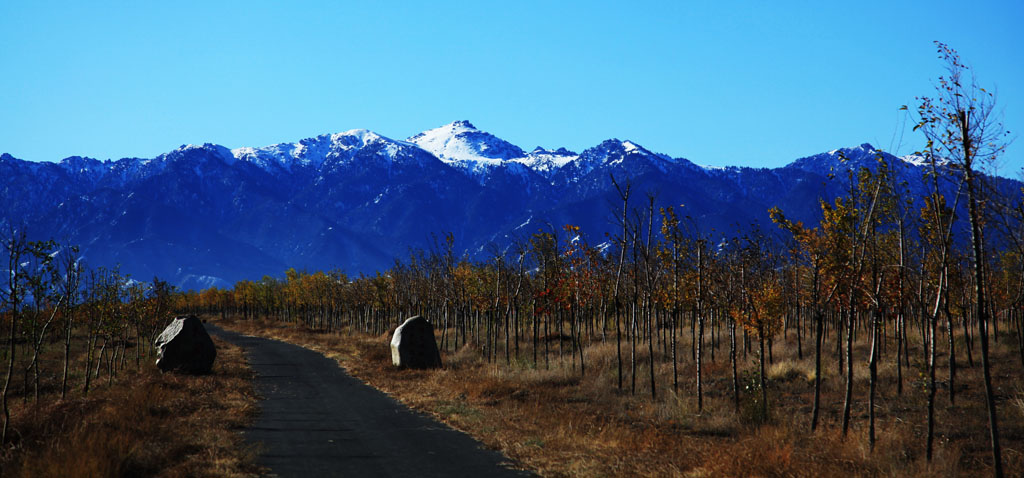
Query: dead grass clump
(602, 355)
(466, 354)
(791, 369)
(1017, 404)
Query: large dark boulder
(184, 346)
(413, 345)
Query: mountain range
(205, 215)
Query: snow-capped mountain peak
(192, 150)
(83, 165)
(545, 161)
(839, 159)
(614, 152)
(363, 136)
(462, 145)
(627, 157)
(921, 160)
(314, 152)
(916, 160)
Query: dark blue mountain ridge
(204, 215)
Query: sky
(720, 83)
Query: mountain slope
(204, 215)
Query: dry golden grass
(144, 424)
(557, 423)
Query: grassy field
(138, 423)
(557, 423)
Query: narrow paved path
(318, 421)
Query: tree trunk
(67, 355)
(90, 347)
(952, 353)
(848, 400)
(818, 334)
(899, 351)
(632, 348)
(700, 360)
(618, 339)
(10, 373)
(675, 362)
(981, 308)
(650, 346)
(764, 385)
(732, 356)
(873, 370)
(929, 443)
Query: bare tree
(962, 126)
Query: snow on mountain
(909, 167)
(93, 169)
(915, 159)
(840, 160)
(314, 152)
(478, 154)
(309, 152)
(462, 146)
(920, 160)
(282, 155)
(187, 150)
(547, 161)
(612, 153)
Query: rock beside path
(413, 345)
(184, 346)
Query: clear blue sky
(721, 83)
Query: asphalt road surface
(318, 421)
